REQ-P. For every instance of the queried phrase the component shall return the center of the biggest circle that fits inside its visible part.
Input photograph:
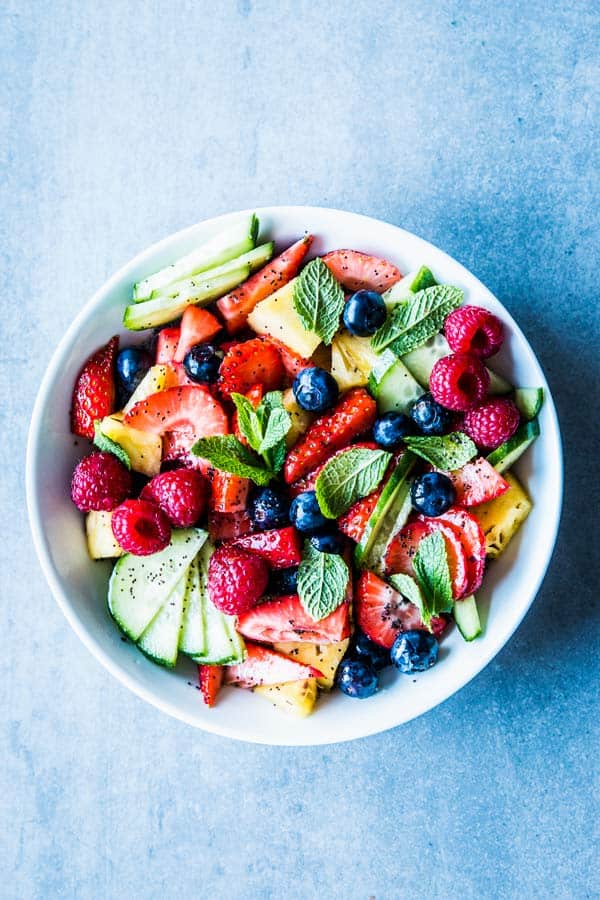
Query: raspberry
(237, 579)
(140, 527)
(99, 482)
(492, 423)
(459, 381)
(181, 494)
(475, 330)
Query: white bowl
(79, 584)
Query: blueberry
(315, 389)
(283, 582)
(429, 416)
(390, 430)
(364, 313)
(432, 493)
(414, 651)
(356, 678)
(201, 363)
(363, 648)
(269, 509)
(329, 541)
(132, 365)
(305, 514)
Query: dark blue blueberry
(390, 430)
(305, 514)
(269, 509)
(364, 313)
(329, 541)
(283, 582)
(132, 365)
(432, 493)
(356, 678)
(414, 651)
(315, 389)
(362, 647)
(429, 416)
(201, 363)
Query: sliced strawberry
(382, 613)
(197, 326)
(228, 493)
(210, 679)
(264, 666)
(228, 526)
(253, 362)
(292, 361)
(254, 395)
(358, 271)
(477, 482)
(307, 482)
(280, 547)
(354, 414)
(237, 306)
(455, 552)
(473, 541)
(402, 548)
(354, 522)
(94, 391)
(166, 345)
(189, 409)
(285, 619)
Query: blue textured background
(468, 123)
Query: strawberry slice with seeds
(382, 613)
(166, 345)
(94, 391)
(285, 619)
(228, 526)
(253, 362)
(292, 361)
(197, 326)
(358, 271)
(401, 551)
(477, 482)
(280, 547)
(264, 666)
(354, 522)
(228, 492)
(307, 482)
(473, 541)
(189, 408)
(210, 679)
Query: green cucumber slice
(160, 640)
(254, 258)
(509, 452)
(392, 385)
(225, 245)
(388, 517)
(192, 639)
(421, 361)
(529, 401)
(222, 643)
(415, 281)
(466, 617)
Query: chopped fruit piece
(189, 410)
(236, 579)
(353, 522)
(264, 666)
(210, 679)
(459, 381)
(352, 360)
(254, 395)
(158, 378)
(280, 548)
(166, 345)
(354, 414)
(100, 538)
(228, 526)
(473, 541)
(473, 329)
(180, 494)
(99, 482)
(228, 493)
(292, 362)
(500, 519)
(477, 482)
(94, 392)
(492, 423)
(277, 317)
(197, 327)
(141, 528)
(325, 657)
(239, 304)
(295, 697)
(382, 613)
(402, 548)
(143, 449)
(301, 419)
(286, 620)
(253, 362)
(307, 482)
(357, 271)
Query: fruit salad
(301, 466)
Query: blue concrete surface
(469, 123)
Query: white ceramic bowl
(79, 584)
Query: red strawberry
(140, 527)
(473, 541)
(237, 579)
(401, 550)
(197, 326)
(264, 666)
(229, 526)
(166, 345)
(253, 362)
(285, 619)
(190, 409)
(237, 306)
(382, 613)
(228, 493)
(181, 495)
(210, 679)
(477, 482)
(254, 395)
(292, 361)
(307, 482)
(354, 522)
(94, 391)
(358, 271)
(280, 547)
(354, 414)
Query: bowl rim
(41, 543)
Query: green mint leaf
(322, 582)
(265, 427)
(277, 426)
(107, 445)
(430, 563)
(248, 421)
(226, 453)
(448, 452)
(272, 400)
(319, 300)
(348, 477)
(275, 457)
(414, 320)
(409, 588)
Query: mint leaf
(265, 427)
(107, 445)
(348, 477)
(277, 426)
(226, 453)
(409, 588)
(448, 452)
(414, 320)
(430, 563)
(319, 300)
(322, 582)
(248, 421)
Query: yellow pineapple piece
(352, 359)
(501, 518)
(143, 449)
(324, 657)
(301, 419)
(100, 539)
(157, 378)
(275, 316)
(295, 697)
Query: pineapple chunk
(324, 657)
(100, 539)
(352, 359)
(301, 419)
(157, 378)
(276, 317)
(501, 518)
(144, 449)
(295, 697)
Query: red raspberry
(237, 579)
(475, 330)
(492, 423)
(99, 482)
(459, 381)
(181, 494)
(140, 527)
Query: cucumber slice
(254, 258)
(222, 643)
(509, 452)
(421, 361)
(160, 640)
(192, 639)
(415, 281)
(139, 585)
(392, 385)
(388, 517)
(466, 617)
(529, 401)
(226, 245)
(153, 313)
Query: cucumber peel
(388, 517)
(509, 452)
(466, 616)
(529, 401)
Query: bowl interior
(79, 584)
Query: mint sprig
(322, 582)
(226, 453)
(431, 590)
(348, 477)
(265, 427)
(107, 445)
(414, 320)
(319, 300)
(447, 452)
